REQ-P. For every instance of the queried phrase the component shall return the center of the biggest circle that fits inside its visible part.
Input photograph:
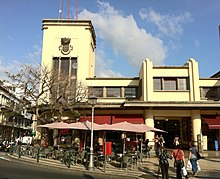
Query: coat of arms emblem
(65, 46)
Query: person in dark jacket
(147, 148)
(164, 163)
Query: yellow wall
(170, 96)
(209, 82)
(148, 72)
(82, 41)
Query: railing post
(11, 150)
(19, 151)
(38, 153)
(68, 160)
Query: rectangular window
(98, 91)
(210, 93)
(182, 84)
(130, 92)
(64, 67)
(65, 63)
(56, 66)
(113, 92)
(169, 84)
(157, 84)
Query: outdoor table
(98, 159)
(133, 159)
(126, 161)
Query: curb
(58, 165)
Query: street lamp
(92, 100)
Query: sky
(168, 32)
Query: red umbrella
(145, 128)
(88, 124)
(78, 125)
(121, 126)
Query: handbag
(189, 165)
(183, 169)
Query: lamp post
(92, 101)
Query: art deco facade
(173, 98)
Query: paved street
(13, 168)
(210, 166)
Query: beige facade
(173, 98)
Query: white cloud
(11, 67)
(35, 55)
(123, 35)
(174, 46)
(103, 65)
(169, 25)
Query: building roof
(216, 75)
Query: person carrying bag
(193, 158)
(178, 155)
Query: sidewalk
(143, 170)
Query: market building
(172, 98)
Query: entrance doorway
(172, 127)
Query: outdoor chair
(140, 157)
(113, 156)
(126, 162)
(58, 154)
(46, 153)
(74, 155)
(69, 157)
(118, 158)
(66, 158)
(34, 151)
(81, 156)
(41, 152)
(99, 160)
(24, 150)
(51, 148)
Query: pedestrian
(162, 141)
(157, 146)
(178, 156)
(147, 148)
(176, 140)
(193, 158)
(164, 163)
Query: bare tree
(51, 94)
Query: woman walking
(193, 158)
(178, 155)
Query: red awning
(213, 123)
(128, 118)
(97, 119)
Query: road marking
(3, 158)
